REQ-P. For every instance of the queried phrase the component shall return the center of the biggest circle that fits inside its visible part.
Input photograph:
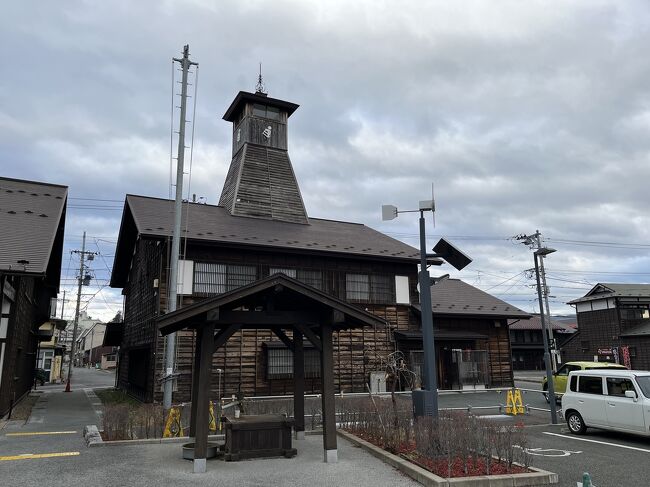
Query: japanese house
(471, 333)
(32, 218)
(260, 228)
(613, 326)
(528, 342)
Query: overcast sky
(526, 115)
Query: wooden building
(32, 218)
(528, 342)
(613, 326)
(261, 228)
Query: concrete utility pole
(535, 242)
(82, 254)
(170, 350)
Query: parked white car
(609, 399)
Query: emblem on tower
(267, 132)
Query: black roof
(153, 217)
(614, 290)
(32, 219)
(453, 297)
(245, 97)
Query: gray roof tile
(30, 215)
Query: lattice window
(375, 288)
(279, 363)
(219, 278)
(311, 278)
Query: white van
(609, 399)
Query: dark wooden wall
(602, 329)
(29, 310)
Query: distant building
(613, 326)
(52, 351)
(32, 219)
(528, 342)
(90, 349)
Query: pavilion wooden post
(205, 342)
(298, 385)
(328, 404)
(195, 383)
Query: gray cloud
(525, 117)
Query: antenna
(260, 89)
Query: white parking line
(599, 442)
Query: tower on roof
(261, 182)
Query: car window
(590, 385)
(605, 367)
(617, 386)
(564, 370)
(644, 384)
(573, 386)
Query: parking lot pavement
(612, 459)
(161, 464)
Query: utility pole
(535, 242)
(82, 255)
(170, 350)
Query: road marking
(599, 442)
(548, 452)
(33, 456)
(42, 433)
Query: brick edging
(428, 479)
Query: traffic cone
(67, 385)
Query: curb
(428, 479)
(95, 441)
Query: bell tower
(261, 182)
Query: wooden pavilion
(280, 304)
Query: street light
(425, 401)
(541, 253)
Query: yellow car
(560, 377)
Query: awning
(440, 334)
(113, 334)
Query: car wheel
(575, 423)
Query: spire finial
(260, 89)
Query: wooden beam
(328, 405)
(201, 423)
(311, 336)
(195, 381)
(298, 385)
(285, 339)
(224, 334)
(266, 318)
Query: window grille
(218, 278)
(311, 278)
(280, 362)
(375, 288)
(357, 287)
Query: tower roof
(244, 97)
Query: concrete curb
(428, 479)
(91, 435)
(98, 441)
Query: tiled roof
(535, 323)
(31, 217)
(154, 217)
(455, 297)
(612, 290)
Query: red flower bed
(440, 466)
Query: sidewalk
(529, 375)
